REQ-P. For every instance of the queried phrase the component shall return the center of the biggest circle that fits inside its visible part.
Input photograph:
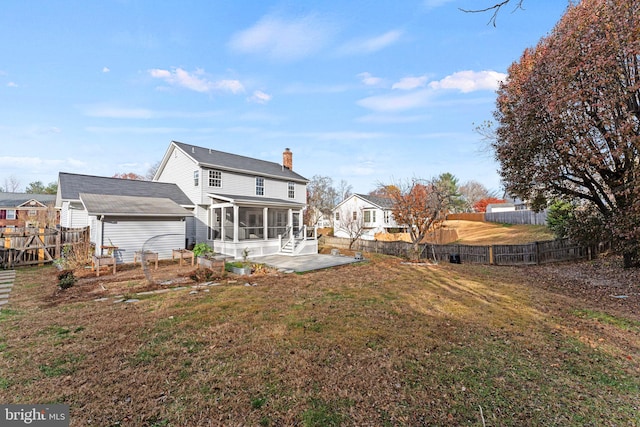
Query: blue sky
(362, 91)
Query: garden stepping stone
(6, 283)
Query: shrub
(203, 249)
(66, 279)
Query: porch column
(290, 219)
(236, 223)
(222, 227)
(265, 223)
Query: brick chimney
(287, 159)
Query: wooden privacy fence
(530, 253)
(37, 246)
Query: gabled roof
(210, 158)
(14, 200)
(100, 204)
(378, 202)
(71, 185)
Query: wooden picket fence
(39, 246)
(526, 254)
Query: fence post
(537, 253)
(491, 255)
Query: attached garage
(131, 224)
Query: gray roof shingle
(71, 185)
(219, 159)
(381, 202)
(100, 204)
(16, 199)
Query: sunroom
(258, 226)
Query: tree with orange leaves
(419, 205)
(569, 119)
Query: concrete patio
(303, 263)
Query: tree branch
(496, 8)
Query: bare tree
(472, 192)
(495, 8)
(350, 222)
(11, 184)
(321, 199)
(344, 190)
(152, 171)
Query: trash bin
(454, 259)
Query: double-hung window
(259, 186)
(215, 179)
(196, 178)
(291, 190)
(11, 214)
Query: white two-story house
(370, 214)
(242, 204)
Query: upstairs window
(215, 179)
(337, 216)
(355, 215)
(259, 186)
(291, 190)
(11, 214)
(196, 178)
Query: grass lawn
(379, 343)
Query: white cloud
(12, 84)
(408, 83)
(392, 102)
(233, 86)
(370, 80)
(260, 97)
(195, 81)
(470, 81)
(372, 44)
(283, 39)
(105, 69)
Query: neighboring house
(319, 219)
(127, 214)
(27, 210)
(500, 207)
(241, 203)
(372, 214)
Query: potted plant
(243, 267)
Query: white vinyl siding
(129, 236)
(179, 170)
(73, 215)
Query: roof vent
(193, 150)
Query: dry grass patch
(378, 343)
(489, 233)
